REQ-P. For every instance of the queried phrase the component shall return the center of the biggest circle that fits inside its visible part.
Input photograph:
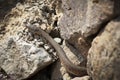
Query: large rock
(99, 12)
(73, 19)
(21, 59)
(85, 17)
(24, 58)
(104, 55)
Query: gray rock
(73, 19)
(72, 23)
(104, 55)
(85, 17)
(98, 13)
(21, 60)
(3, 75)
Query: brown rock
(104, 55)
(98, 13)
(83, 18)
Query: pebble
(39, 43)
(58, 40)
(47, 47)
(82, 78)
(51, 50)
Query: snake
(69, 66)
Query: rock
(99, 13)
(104, 54)
(86, 17)
(83, 18)
(47, 47)
(20, 59)
(73, 19)
(58, 40)
(82, 78)
(66, 77)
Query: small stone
(1, 75)
(82, 78)
(66, 77)
(20, 33)
(43, 26)
(46, 46)
(51, 50)
(58, 40)
(19, 6)
(39, 44)
(30, 37)
(54, 53)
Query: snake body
(69, 66)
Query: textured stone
(36, 12)
(3, 75)
(85, 17)
(74, 13)
(21, 59)
(98, 13)
(82, 19)
(104, 54)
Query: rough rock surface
(73, 18)
(104, 55)
(3, 75)
(98, 13)
(20, 59)
(21, 54)
(85, 17)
